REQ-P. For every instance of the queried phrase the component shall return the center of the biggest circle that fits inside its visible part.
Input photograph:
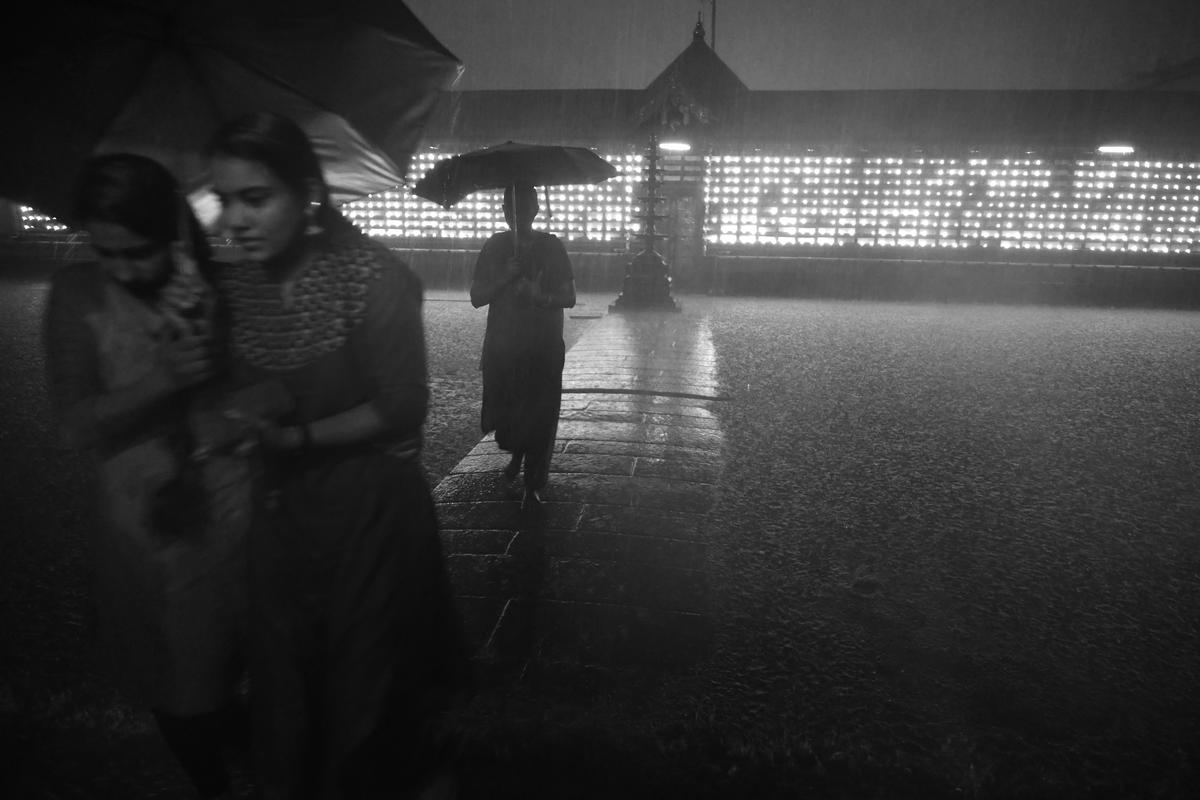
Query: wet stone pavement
(609, 570)
(885, 550)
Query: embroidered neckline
(328, 300)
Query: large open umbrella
(158, 76)
(452, 179)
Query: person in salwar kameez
(126, 369)
(356, 647)
(524, 277)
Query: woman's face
(259, 212)
(130, 258)
(520, 211)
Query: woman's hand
(182, 294)
(235, 432)
(228, 432)
(186, 300)
(512, 269)
(187, 360)
(527, 290)
(280, 439)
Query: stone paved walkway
(610, 569)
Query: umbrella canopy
(452, 179)
(157, 77)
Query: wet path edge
(609, 571)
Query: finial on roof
(698, 31)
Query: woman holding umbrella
(525, 279)
(355, 644)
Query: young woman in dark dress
(356, 649)
(524, 277)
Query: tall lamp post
(647, 284)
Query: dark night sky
(817, 44)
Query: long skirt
(522, 398)
(356, 646)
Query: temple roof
(698, 95)
(696, 88)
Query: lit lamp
(647, 283)
(1115, 149)
(674, 146)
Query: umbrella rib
(272, 78)
(169, 41)
(448, 181)
(197, 74)
(136, 86)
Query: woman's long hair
(140, 194)
(282, 146)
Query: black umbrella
(157, 77)
(452, 179)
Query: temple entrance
(683, 247)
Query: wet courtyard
(901, 550)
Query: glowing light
(782, 201)
(675, 146)
(923, 202)
(1115, 149)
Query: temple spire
(698, 32)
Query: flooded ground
(966, 535)
(955, 556)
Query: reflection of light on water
(706, 365)
(704, 347)
(683, 379)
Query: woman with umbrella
(355, 644)
(525, 279)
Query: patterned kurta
(355, 640)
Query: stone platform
(610, 570)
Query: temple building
(1036, 176)
(1041, 175)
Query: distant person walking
(356, 648)
(129, 340)
(524, 277)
